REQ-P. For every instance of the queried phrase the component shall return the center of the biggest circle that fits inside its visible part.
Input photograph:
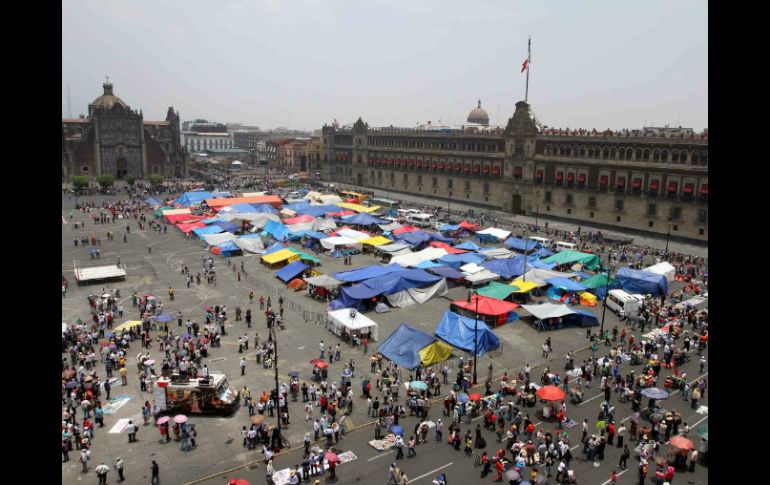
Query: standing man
(243, 366)
(101, 472)
(155, 473)
(119, 465)
(170, 293)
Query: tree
(130, 180)
(80, 181)
(155, 179)
(106, 180)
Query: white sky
(302, 63)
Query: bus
(390, 204)
(346, 194)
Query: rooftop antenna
(69, 101)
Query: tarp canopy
(360, 274)
(436, 236)
(508, 268)
(540, 275)
(568, 256)
(202, 231)
(217, 239)
(449, 227)
(598, 281)
(226, 249)
(459, 332)
(324, 281)
(324, 225)
(318, 210)
(264, 208)
(565, 284)
(191, 198)
(303, 256)
(500, 234)
(355, 235)
(427, 264)
(277, 230)
(272, 200)
(403, 345)
(481, 276)
(663, 268)
(497, 290)
(543, 253)
(284, 254)
(468, 225)
(446, 247)
(357, 207)
(241, 207)
(539, 264)
(297, 206)
(548, 310)
(298, 219)
(159, 212)
(376, 241)
(153, 201)
(363, 219)
(186, 228)
(273, 248)
(415, 238)
(523, 286)
(469, 245)
(457, 260)
(251, 244)
(291, 271)
(334, 241)
(341, 318)
(413, 259)
(310, 234)
(388, 284)
(395, 247)
(644, 282)
(405, 229)
(212, 220)
(496, 253)
(390, 227)
(435, 353)
(447, 272)
(173, 212)
(486, 305)
(256, 219)
(520, 244)
(227, 226)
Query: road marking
(429, 473)
(381, 455)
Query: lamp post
(475, 333)
(668, 234)
(606, 290)
(449, 208)
(277, 388)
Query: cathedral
(116, 140)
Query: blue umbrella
(109, 334)
(164, 318)
(293, 373)
(347, 373)
(396, 429)
(185, 335)
(462, 397)
(654, 393)
(419, 385)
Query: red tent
(404, 229)
(446, 247)
(299, 219)
(491, 310)
(183, 218)
(186, 228)
(341, 213)
(467, 225)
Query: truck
(182, 395)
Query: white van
(545, 242)
(622, 303)
(420, 220)
(562, 245)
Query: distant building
(114, 139)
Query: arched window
(583, 152)
(605, 152)
(704, 157)
(629, 153)
(674, 156)
(621, 154)
(695, 158)
(562, 150)
(664, 155)
(684, 156)
(638, 154)
(646, 154)
(612, 154)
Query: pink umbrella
(162, 420)
(180, 418)
(149, 362)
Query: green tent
(597, 281)
(159, 212)
(568, 256)
(497, 290)
(703, 431)
(305, 256)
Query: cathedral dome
(478, 116)
(108, 100)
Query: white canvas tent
(217, 239)
(539, 276)
(250, 244)
(352, 234)
(339, 319)
(500, 234)
(482, 276)
(548, 310)
(412, 296)
(413, 259)
(496, 253)
(663, 268)
(324, 281)
(332, 242)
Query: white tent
(663, 268)
(356, 235)
(496, 253)
(329, 199)
(250, 244)
(540, 275)
(332, 242)
(257, 219)
(324, 281)
(217, 239)
(413, 259)
(300, 226)
(500, 234)
(339, 319)
(548, 310)
(471, 268)
(322, 225)
(413, 296)
(389, 227)
(482, 276)
(237, 163)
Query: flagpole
(529, 62)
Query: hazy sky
(302, 63)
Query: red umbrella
(330, 456)
(316, 361)
(551, 393)
(238, 481)
(322, 365)
(682, 443)
(475, 396)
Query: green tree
(155, 179)
(80, 181)
(106, 180)
(131, 180)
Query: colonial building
(116, 140)
(647, 181)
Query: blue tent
(360, 274)
(457, 260)
(543, 253)
(469, 245)
(539, 264)
(277, 230)
(644, 282)
(241, 208)
(191, 198)
(227, 226)
(363, 219)
(228, 249)
(275, 247)
(521, 244)
(297, 206)
(403, 345)
(427, 264)
(486, 237)
(152, 201)
(310, 234)
(415, 237)
(435, 236)
(200, 231)
(318, 210)
(446, 272)
(581, 318)
(449, 227)
(265, 208)
(565, 284)
(212, 220)
(291, 270)
(459, 332)
(509, 267)
(388, 284)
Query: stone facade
(614, 179)
(116, 140)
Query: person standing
(621, 435)
(624, 457)
(155, 473)
(243, 366)
(101, 472)
(119, 466)
(84, 455)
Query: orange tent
(272, 200)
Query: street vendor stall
(347, 321)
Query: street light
(277, 388)
(475, 332)
(449, 207)
(606, 290)
(668, 234)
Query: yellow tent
(281, 255)
(357, 207)
(377, 241)
(434, 353)
(126, 325)
(524, 286)
(587, 298)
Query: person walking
(155, 473)
(84, 455)
(621, 435)
(243, 366)
(119, 466)
(624, 457)
(101, 472)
